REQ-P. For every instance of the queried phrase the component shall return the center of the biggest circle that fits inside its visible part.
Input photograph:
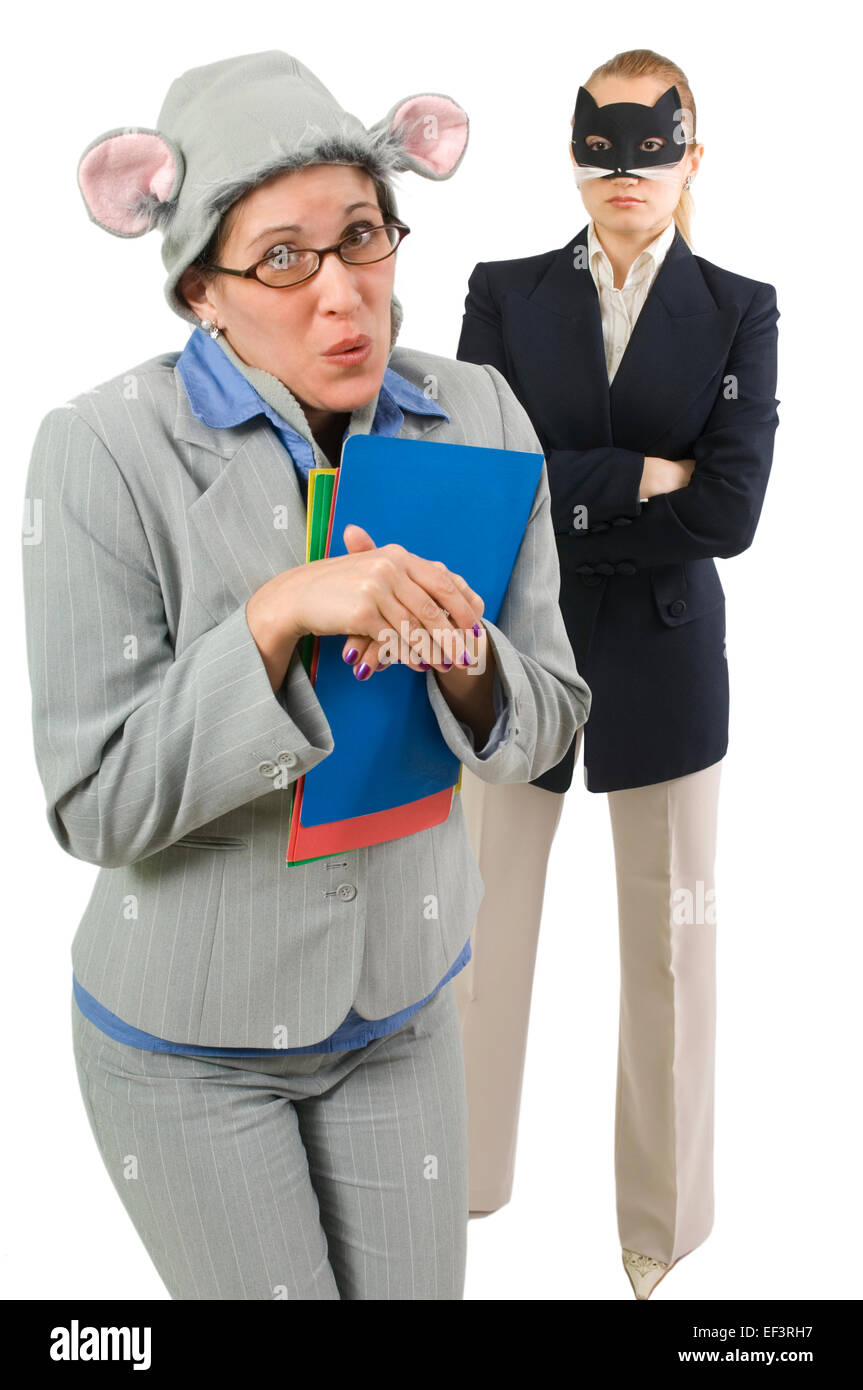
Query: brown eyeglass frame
(252, 272)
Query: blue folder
(462, 504)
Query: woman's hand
(438, 643)
(370, 593)
(438, 616)
(664, 475)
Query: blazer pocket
(209, 946)
(683, 593)
(210, 842)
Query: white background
(777, 199)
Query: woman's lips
(627, 202)
(347, 357)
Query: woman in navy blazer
(653, 474)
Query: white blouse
(620, 308)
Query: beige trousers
(664, 844)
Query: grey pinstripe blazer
(158, 737)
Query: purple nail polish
(476, 629)
(446, 665)
(362, 671)
(465, 659)
(424, 665)
(351, 656)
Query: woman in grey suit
(270, 1057)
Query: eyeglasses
(284, 266)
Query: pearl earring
(688, 183)
(210, 327)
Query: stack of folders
(390, 772)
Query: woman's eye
(596, 142)
(651, 145)
(356, 236)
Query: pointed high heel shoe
(644, 1272)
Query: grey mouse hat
(227, 126)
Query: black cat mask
(625, 125)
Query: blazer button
(346, 891)
(287, 758)
(267, 769)
(591, 579)
(677, 607)
(626, 567)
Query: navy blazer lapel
(554, 336)
(681, 338)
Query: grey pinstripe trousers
(337, 1175)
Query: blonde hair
(643, 62)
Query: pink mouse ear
(431, 132)
(127, 176)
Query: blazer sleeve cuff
(289, 721)
(578, 503)
(503, 758)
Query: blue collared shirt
(221, 397)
